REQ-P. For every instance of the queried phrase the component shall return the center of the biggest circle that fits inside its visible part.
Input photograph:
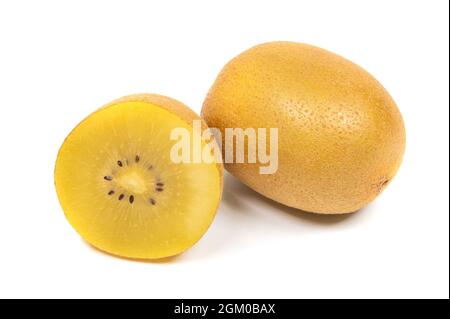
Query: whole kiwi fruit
(341, 137)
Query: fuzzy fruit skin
(341, 135)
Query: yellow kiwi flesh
(341, 136)
(120, 189)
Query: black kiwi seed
(137, 158)
(160, 184)
(131, 199)
(111, 192)
(108, 178)
(152, 201)
(120, 163)
(159, 189)
(121, 196)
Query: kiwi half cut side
(120, 189)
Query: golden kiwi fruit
(120, 189)
(341, 136)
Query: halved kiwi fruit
(120, 189)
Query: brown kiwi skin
(341, 135)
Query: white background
(60, 60)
